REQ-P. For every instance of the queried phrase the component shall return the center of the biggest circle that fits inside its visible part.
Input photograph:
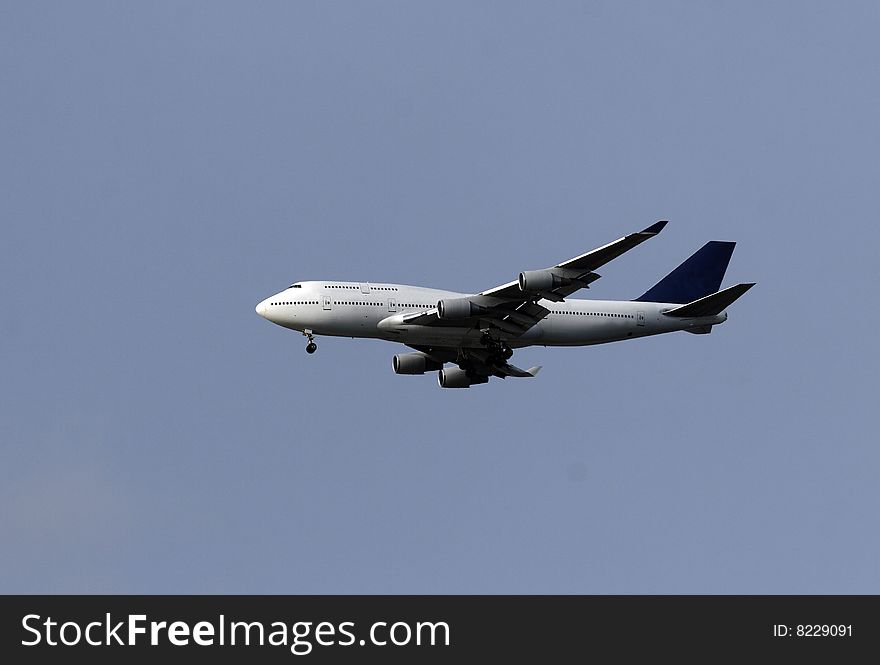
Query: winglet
(654, 229)
(534, 370)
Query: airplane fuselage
(359, 309)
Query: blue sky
(167, 165)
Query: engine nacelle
(457, 308)
(455, 377)
(414, 363)
(540, 280)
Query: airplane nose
(261, 309)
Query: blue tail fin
(699, 276)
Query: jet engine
(540, 280)
(458, 308)
(414, 363)
(455, 377)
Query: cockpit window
(295, 286)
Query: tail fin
(712, 304)
(698, 276)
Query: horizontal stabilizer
(710, 305)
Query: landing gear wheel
(312, 347)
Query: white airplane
(478, 333)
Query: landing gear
(311, 347)
(499, 351)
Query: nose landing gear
(311, 347)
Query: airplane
(476, 334)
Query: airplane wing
(479, 361)
(513, 307)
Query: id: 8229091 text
(812, 630)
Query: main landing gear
(311, 347)
(499, 351)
